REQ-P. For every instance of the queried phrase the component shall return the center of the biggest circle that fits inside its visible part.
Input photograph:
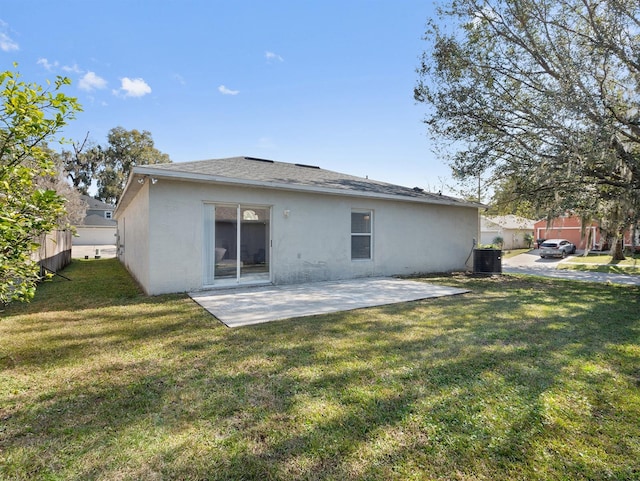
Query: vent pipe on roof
(259, 160)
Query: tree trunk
(617, 249)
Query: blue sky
(323, 82)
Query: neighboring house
(98, 226)
(570, 227)
(511, 228)
(237, 221)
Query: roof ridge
(278, 174)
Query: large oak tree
(125, 149)
(109, 165)
(542, 96)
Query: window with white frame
(108, 214)
(361, 234)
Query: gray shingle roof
(279, 173)
(95, 204)
(97, 220)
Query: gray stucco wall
(311, 243)
(94, 235)
(133, 238)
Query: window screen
(361, 234)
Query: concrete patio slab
(245, 306)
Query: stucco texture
(310, 234)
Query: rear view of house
(240, 221)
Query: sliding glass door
(237, 240)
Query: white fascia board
(124, 198)
(195, 177)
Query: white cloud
(71, 69)
(46, 64)
(7, 44)
(136, 87)
(51, 66)
(90, 81)
(273, 56)
(225, 91)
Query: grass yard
(603, 263)
(524, 378)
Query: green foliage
(80, 164)
(125, 150)
(111, 164)
(506, 199)
(540, 97)
(528, 238)
(489, 246)
(29, 115)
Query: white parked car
(557, 248)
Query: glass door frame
(209, 239)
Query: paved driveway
(532, 260)
(531, 263)
(104, 251)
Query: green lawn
(596, 262)
(524, 378)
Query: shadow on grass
(460, 387)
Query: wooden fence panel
(54, 252)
